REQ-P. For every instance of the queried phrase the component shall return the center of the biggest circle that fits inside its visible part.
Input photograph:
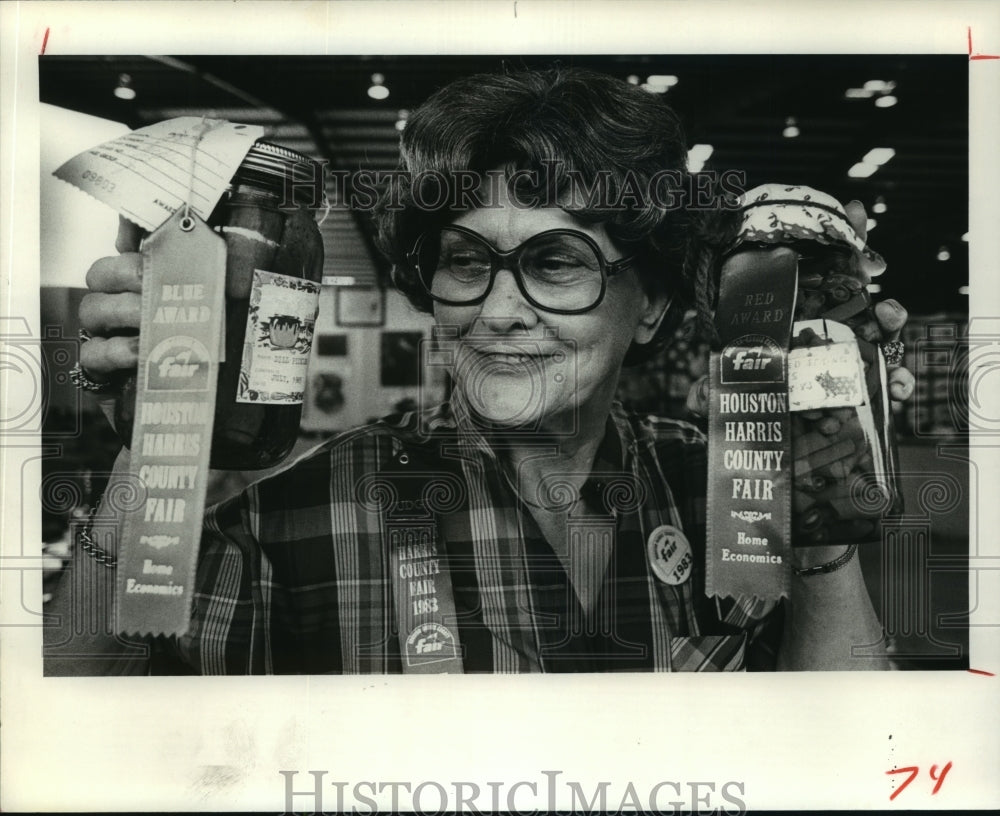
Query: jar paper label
(280, 326)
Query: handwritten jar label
(280, 324)
(828, 376)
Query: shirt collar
(454, 420)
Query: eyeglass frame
(498, 260)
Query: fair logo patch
(670, 555)
(752, 358)
(178, 364)
(430, 643)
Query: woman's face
(520, 366)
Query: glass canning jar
(267, 220)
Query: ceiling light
(870, 224)
(944, 254)
(124, 89)
(879, 86)
(791, 128)
(697, 156)
(378, 89)
(963, 290)
(965, 237)
(401, 119)
(658, 83)
(632, 79)
(874, 288)
(862, 170)
(879, 206)
(878, 155)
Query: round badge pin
(670, 555)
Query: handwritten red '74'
(913, 771)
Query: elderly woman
(541, 222)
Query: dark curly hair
(560, 126)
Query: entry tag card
(183, 278)
(146, 175)
(749, 445)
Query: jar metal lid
(275, 168)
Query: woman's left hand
(890, 314)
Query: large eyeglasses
(560, 270)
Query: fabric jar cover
(780, 213)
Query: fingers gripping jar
(845, 470)
(274, 264)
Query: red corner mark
(45, 41)
(980, 671)
(978, 56)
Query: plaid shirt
(294, 574)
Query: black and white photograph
(560, 368)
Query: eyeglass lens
(559, 271)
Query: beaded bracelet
(87, 544)
(829, 566)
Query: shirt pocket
(708, 653)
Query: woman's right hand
(110, 311)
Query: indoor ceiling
(737, 104)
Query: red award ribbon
(183, 278)
(749, 445)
